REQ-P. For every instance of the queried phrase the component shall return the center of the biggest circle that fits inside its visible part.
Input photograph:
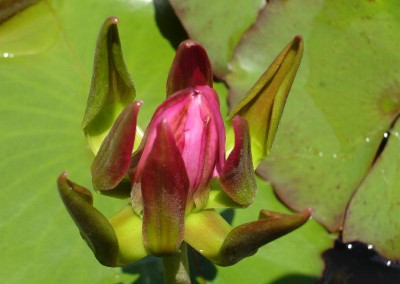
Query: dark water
(358, 263)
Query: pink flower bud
(195, 120)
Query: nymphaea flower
(179, 171)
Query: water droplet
(349, 246)
(385, 135)
(201, 251)
(388, 263)
(370, 246)
(8, 55)
(367, 140)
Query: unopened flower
(179, 162)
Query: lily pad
(44, 91)
(45, 86)
(366, 219)
(217, 25)
(345, 97)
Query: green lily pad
(367, 220)
(44, 90)
(346, 95)
(217, 25)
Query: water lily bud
(195, 121)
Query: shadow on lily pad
(200, 267)
(168, 23)
(228, 215)
(149, 269)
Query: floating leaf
(35, 27)
(44, 97)
(345, 96)
(373, 213)
(46, 92)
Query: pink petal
(211, 98)
(191, 67)
(164, 185)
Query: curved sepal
(164, 191)
(244, 240)
(112, 161)
(237, 177)
(206, 231)
(263, 104)
(111, 88)
(93, 226)
(128, 229)
(191, 67)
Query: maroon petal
(246, 239)
(112, 161)
(136, 193)
(93, 226)
(238, 178)
(164, 185)
(191, 67)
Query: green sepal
(206, 231)
(93, 226)
(263, 105)
(246, 239)
(128, 229)
(112, 88)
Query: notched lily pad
(373, 213)
(341, 102)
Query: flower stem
(176, 268)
